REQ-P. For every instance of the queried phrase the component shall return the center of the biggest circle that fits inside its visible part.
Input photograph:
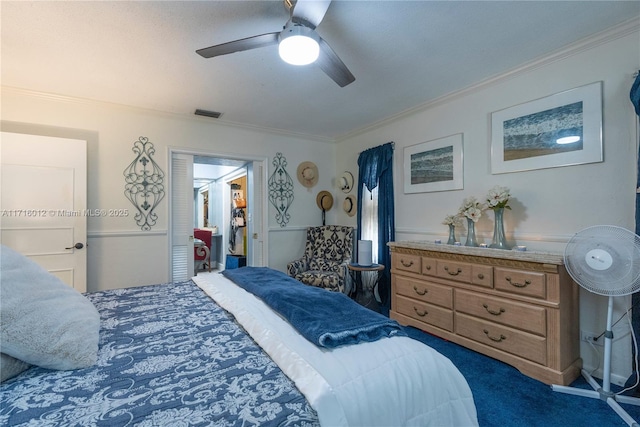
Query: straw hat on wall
(308, 174)
(345, 182)
(324, 200)
(349, 205)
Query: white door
(256, 220)
(43, 203)
(182, 220)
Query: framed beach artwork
(559, 130)
(434, 165)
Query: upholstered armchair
(327, 253)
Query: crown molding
(598, 39)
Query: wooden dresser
(517, 307)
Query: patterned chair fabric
(326, 255)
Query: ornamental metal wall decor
(144, 183)
(281, 190)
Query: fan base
(612, 399)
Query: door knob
(76, 246)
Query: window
(369, 218)
(376, 218)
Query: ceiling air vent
(207, 113)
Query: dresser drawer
(522, 344)
(516, 315)
(427, 313)
(429, 266)
(482, 275)
(424, 291)
(406, 262)
(459, 271)
(519, 282)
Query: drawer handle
(501, 338)
(452, 273)
(495, 313)
(421, 314)
(405, 264)
(516, 284)
(415, 288)
(427, 267)
(480, 276)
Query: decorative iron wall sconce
(281, 190)
(144, 183)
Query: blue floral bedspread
(169, 356)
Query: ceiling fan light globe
(299, 50)
(298, 45)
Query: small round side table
(366, 278)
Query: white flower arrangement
(471, 208)
(454, 220)
(498, 197)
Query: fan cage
(622, 277)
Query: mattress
(214, 354)
(390, 382)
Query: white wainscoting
(125, 258)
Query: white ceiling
(403, 54)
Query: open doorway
(203, 205)
(216, 230)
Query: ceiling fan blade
(239, 45)
(310, 12)
(329, 62)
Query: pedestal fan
(604, 260)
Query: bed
(208, 352)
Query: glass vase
(452, 235)
(499, 239)
(471, 233)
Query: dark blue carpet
(505, 397)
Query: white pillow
(10, 367)
(44, 322)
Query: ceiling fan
(305, 16)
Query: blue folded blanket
(327, 319)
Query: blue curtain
(376, 170)
(635, 298)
